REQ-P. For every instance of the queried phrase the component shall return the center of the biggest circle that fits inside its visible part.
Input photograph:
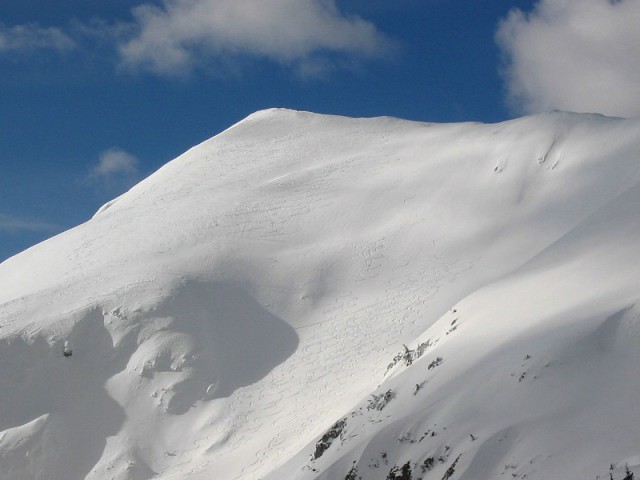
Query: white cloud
(114, 162)
(577, 55)
(33, 37)
(13, 224)
(181, 34)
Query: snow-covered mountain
(318, 297)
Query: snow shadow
(55, 414)
(225, 340)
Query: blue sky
(96, 95)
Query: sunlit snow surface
(229, 310)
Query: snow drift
(317, 297)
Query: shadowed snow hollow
(307, 296)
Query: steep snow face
(235, 314)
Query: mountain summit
(318, 297)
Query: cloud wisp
(30, 37)
(11, 224)
(182, 34)
(114, 162)
(175, 37)
(576, 55)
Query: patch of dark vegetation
(327, 439)
(453, 328)
(428, 464)
(407, 438)
(436, 363)
(378, 402)
(428, 433)
(452, 469)
(628, 474)
(445, 455)
(400, 473)
(408, 356)
(352, 474)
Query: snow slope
(234, 315)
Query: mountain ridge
(252, 292)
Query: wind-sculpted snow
(317, 297)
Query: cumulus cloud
(175, 37)
(11, 224)
(577, 55)
(33, 37)
(115, 162)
